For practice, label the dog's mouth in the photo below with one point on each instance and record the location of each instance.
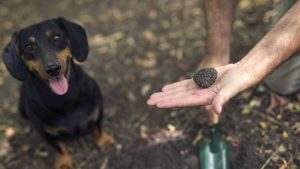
(59, 84)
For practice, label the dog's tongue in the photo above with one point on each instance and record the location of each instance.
(59, 85)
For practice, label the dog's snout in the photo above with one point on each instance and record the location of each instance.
(53, 69)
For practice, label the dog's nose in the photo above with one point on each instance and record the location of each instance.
(53, 69)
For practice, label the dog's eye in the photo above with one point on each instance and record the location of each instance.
(56, 37)
(29, 47)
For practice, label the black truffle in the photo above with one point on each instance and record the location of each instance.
(204, 78)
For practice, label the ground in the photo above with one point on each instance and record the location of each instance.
(135, 48)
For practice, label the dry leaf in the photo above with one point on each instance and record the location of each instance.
(171, 128)
(149, 35)
(165, 24)
(147, 62)
(152, 14)
(234, 141)
(296, 127)
(198, 137)
(9, 132)
(5, 147)
(245, 4)
(285, 134)
(131, 97)
(145, 89)
(258, 3)
(263, 125)
(143, 132)
(281, 148)
(41, 153)
(196, 11)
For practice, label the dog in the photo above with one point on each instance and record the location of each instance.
(56, 96)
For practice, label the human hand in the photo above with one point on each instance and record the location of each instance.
(232, 79)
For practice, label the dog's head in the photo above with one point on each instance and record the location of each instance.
(46, 49)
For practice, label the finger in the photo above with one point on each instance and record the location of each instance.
(201, 98)
(151, 101)
(175, 90)
(176, 84)
(168, 92)
(169, 95)
(180, 94)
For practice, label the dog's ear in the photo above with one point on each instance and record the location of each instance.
(12, 59)
(77, 37)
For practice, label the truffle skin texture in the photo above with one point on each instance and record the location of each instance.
(204, 78)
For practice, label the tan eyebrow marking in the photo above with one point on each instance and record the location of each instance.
(32, 39)
(49, 33)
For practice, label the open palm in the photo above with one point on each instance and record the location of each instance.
(231, 80)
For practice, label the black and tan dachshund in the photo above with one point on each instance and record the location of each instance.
(59, 99)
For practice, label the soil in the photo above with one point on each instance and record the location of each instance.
(135, 48)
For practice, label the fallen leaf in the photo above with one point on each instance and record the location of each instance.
(198, 137)
(245, 4)
(275, 157)
(103, 18)
(279, 117)
(131, 97)
(263, 125)
(171, 128)
(152, 14)
(234, 141)
(296, 127)
(119, 147)
(145, 89)
(281, 148)
(116, 13)
(97, 40)
(285, 134)
(41, 153)
(246, 94)
(149, 35)
(5, 147)
(196, 11)
(146, 62)
(143, 132)
(283, 166)
(255, 103)
(9, 132)
(165, 24)
(26, 147)
(246, 109)
(258, 3)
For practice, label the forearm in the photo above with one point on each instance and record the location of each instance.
(219, 16)
(280, 43)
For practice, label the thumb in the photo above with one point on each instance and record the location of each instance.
(220, 99)
(217, 104)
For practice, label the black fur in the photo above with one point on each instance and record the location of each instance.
(13, 61)
(78, 38)
(39, 104)
(43, 108)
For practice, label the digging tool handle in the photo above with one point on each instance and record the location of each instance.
(215, 118)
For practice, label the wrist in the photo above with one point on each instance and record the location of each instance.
(246, 75)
